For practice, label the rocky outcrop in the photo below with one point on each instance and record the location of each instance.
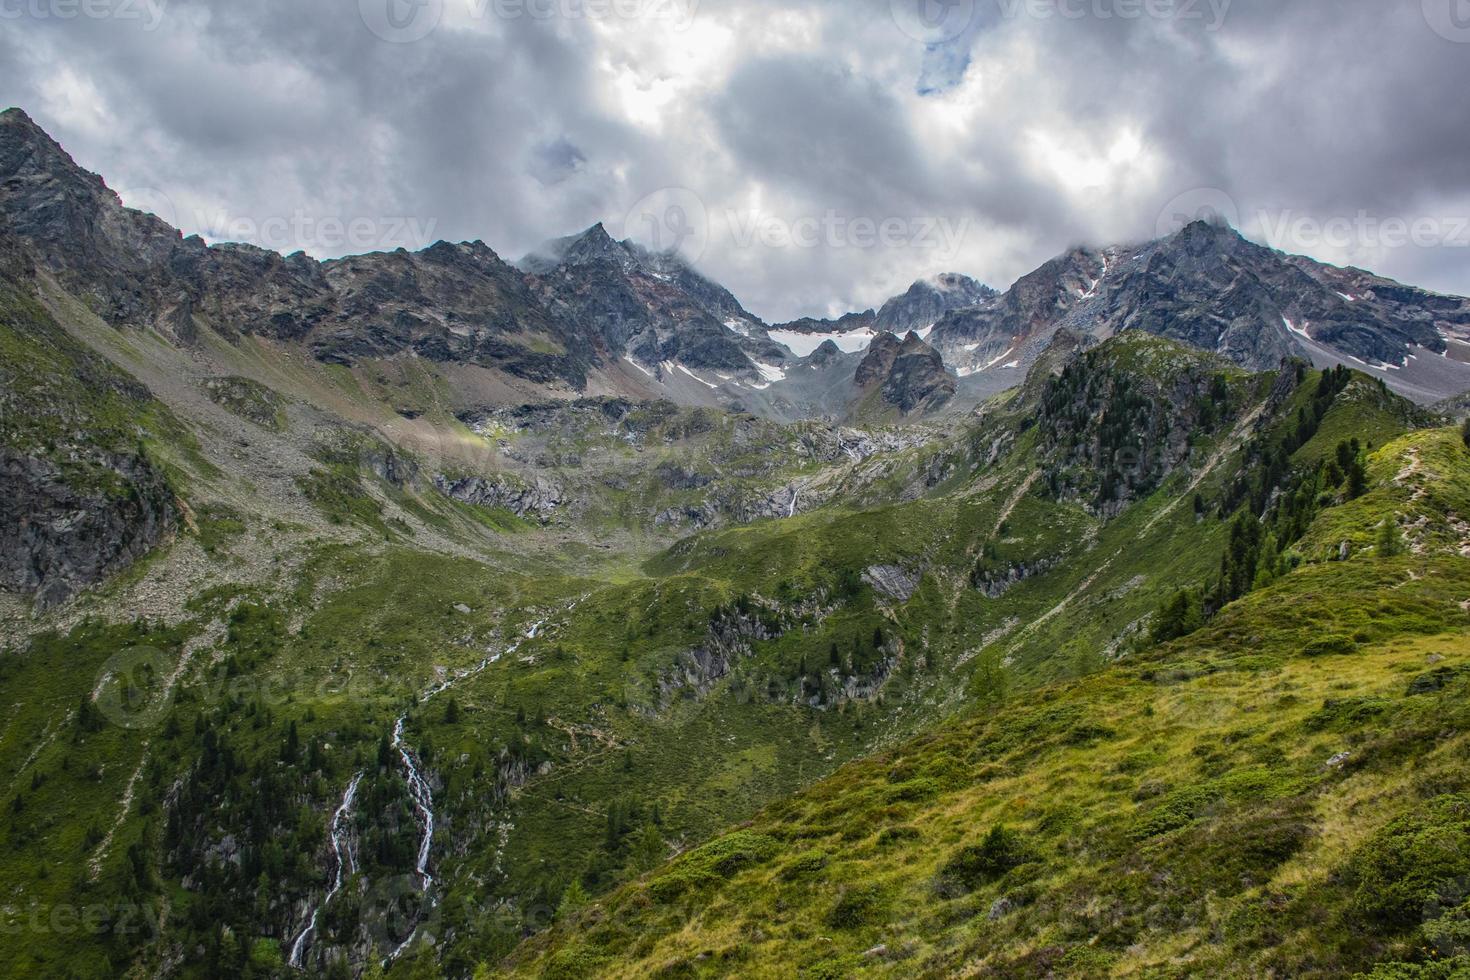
(729, 639)
(908, 374)
(537, 498)
(1118, 419)
(391, 466)
(692, 518)
(825, 355)
(250, 400)
(676, 477)
(995, 582)
(66, 525)
(892, 582)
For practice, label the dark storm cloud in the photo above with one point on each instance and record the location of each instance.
(1025, 125)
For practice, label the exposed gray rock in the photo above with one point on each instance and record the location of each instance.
(681, 478)
(929, 299)
(391, 466)
(909, 374)
(448, 302)
(539, 497)
(1209, 287)
(686, 517)
(893, 582)
(248, 399)
(997, 582)
(63, 529)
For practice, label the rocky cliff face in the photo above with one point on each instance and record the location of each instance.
(1209, 287)
(79, 498)
(537, 498)
(908, 374)
(66, 526)
(446, 303)
(1017, 325)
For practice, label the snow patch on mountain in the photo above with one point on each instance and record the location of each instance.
(804, 344)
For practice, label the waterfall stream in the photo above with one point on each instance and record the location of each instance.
(419, 791)
(418, 786)
(342, 853)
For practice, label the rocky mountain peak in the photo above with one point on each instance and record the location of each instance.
(17, 126)
(908, 374)
(825, 354)
(31, 159)
(595, 245)
(913, 343)
(927, 300)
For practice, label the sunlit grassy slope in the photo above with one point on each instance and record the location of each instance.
(1284, 792)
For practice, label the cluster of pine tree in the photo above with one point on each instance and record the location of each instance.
(1270, 506)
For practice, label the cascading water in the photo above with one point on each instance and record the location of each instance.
(423, 801)
(342, 853)
(418, 786)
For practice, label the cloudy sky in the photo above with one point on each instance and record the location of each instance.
(813, 155)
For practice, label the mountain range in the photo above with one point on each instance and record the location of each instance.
(589, 315)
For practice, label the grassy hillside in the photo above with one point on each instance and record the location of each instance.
(1283, 792)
